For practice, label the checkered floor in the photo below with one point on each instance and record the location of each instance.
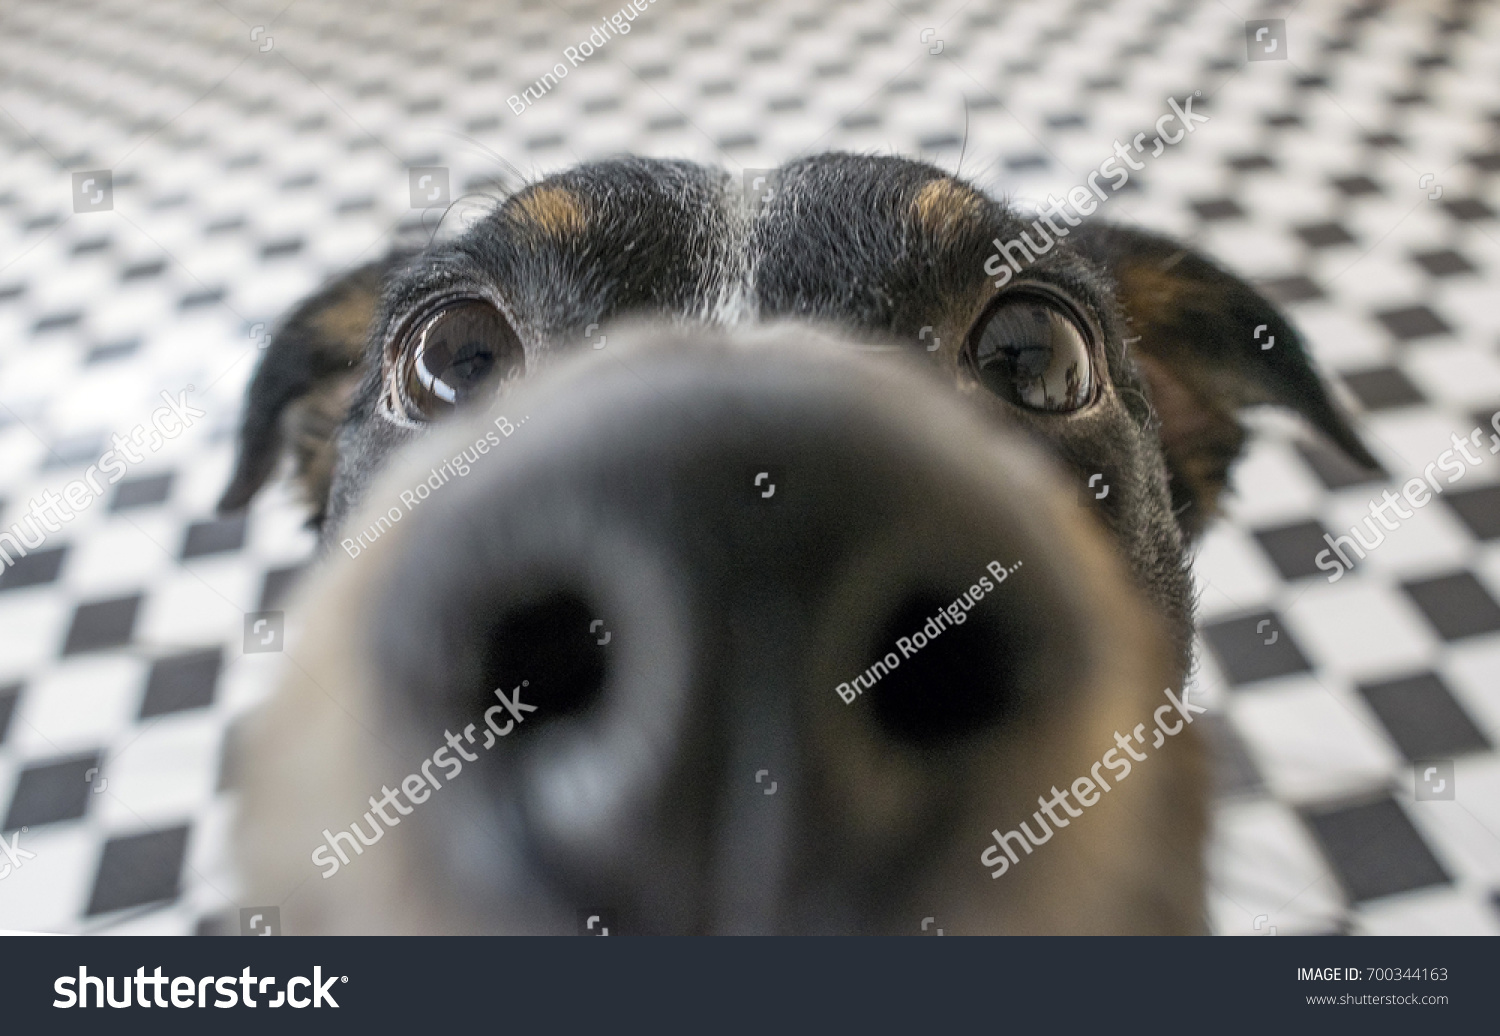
(241, 153)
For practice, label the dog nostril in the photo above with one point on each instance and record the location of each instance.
(962, 680)
(554, 643)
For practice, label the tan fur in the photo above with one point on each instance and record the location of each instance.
(945, 208)
(310, 425)
(347, 321)
(1151, 293)
(551, 210)
(1199, 436)
(317, 753)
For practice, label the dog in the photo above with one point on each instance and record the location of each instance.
(761, 559)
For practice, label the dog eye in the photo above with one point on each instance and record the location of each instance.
(1032, 352)
(457, 352)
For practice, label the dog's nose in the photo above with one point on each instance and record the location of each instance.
(746, 638)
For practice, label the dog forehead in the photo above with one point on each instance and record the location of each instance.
(620, 193)
(876, 240)
(833, 235)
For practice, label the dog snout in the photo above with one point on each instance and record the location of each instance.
(745, 636)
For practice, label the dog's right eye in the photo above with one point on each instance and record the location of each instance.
(457, 352)
(1031, 350)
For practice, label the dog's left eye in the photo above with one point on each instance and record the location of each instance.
(1032, 351)
(455, 353)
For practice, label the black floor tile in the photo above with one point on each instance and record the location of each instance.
(1251, 163)
(185, 681)
(102, 624)
(278, 584)
(144, 868)
(1383, 388)
(56, 321)
(278, 249)
(1356, 186)
(1234, 772)
(74, 452)
(1478, 508)
(1375, 850)
(1423, 718)
(112, 350)
(1287, 290)
(1324, 235)
(197, 299)
(1333, 469)
(1254, 647)
(1410, 322)
(1468, 210)
(217, 924)
(1294, 548)
(1489, 161)
(1457, 605)
(217, 536)
(35, 569)
(930, 142)
(1024, 162)
(143, 271)
(141, 492)
(1444, 262)
(1483, 419)
(229, 757)
(52, 791)
(9, 694)
(1213, 210)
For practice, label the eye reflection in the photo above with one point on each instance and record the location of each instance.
(460, 351)
(1033, 353)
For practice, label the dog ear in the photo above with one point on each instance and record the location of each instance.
(301, 389)
(1208, 344)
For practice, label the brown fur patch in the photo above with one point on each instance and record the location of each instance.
(1200, 436)
(347, 322)
(1194, 402)
(551, 210)
(945, 207)
(311, 424)
(1150, 292)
